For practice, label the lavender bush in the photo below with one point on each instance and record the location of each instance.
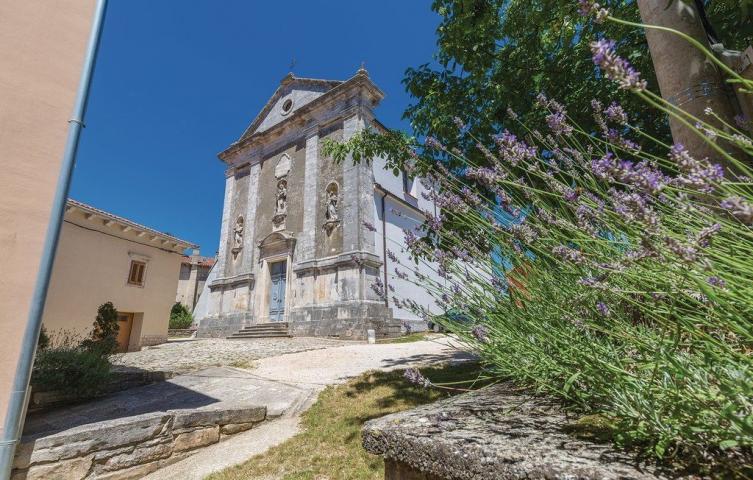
(616, 279)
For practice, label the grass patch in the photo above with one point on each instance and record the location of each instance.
(244, 364)
(412, 337)
(329, 447)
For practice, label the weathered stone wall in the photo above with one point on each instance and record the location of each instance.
(331, 243)
(128, 448)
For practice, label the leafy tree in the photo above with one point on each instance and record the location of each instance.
(495, 54)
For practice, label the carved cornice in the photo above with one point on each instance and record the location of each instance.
(244, 278)
(349, 259)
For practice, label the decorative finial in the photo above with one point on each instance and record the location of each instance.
(292, 64)
(362, 70)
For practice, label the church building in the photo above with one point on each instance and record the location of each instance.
(303, 238)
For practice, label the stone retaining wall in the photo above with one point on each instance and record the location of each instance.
(127, 448)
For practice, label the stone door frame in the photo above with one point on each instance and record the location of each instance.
(273, 242)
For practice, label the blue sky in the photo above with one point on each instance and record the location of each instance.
(178, 81)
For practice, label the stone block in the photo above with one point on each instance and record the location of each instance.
(495, 433)
(196, 438)
(108, 435)
(233, 428)
(193, 418)
(136, 455)
(71, 469)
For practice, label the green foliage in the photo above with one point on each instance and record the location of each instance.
(44, 340)
(104, 336)
(180, 317)
(495, 54)
(71, 368)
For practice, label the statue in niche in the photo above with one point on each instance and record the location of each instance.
(281, 206)
(332, 205)
(331, 216)
(282, 198)
(238, 235)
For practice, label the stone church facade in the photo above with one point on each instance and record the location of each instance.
(294, 245)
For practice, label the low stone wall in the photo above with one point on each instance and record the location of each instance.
(492, 434)
(127, 448)
(180, 332)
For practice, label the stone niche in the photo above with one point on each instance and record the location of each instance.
(495, 433)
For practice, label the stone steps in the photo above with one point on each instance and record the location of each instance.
(262, 330)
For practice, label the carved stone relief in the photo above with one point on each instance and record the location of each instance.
(332, 215)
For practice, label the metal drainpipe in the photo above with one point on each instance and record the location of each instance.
(18, 400)
(384, 249)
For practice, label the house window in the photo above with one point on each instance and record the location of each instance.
(136, 274)
(407, 183)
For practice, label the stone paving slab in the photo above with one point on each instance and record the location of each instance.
(211, 389)
(191, 355)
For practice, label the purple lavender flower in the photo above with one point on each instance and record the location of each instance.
(603, 309)
(391, 255)
(687, 253)
(400, 274)
(414, 376)
(704, 236)
(569, 254)
(557, 123)
(716, 282)
(432, 142)
(513, 150)
(459, 123)
(739, 208)
(378, 287)
(615, 67)
(616, 113)
(369, 226)
(590, 7)
(570, 195)
(480, 333)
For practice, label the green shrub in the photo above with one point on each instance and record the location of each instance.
(104, 336)
(44, 340)
(71, 369)
(180, 317)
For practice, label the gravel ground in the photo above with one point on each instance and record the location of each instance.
(191, 355)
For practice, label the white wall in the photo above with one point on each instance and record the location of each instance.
(400, 214)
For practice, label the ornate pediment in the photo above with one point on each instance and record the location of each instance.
(292, 94)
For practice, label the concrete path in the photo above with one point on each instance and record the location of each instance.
(309, 371)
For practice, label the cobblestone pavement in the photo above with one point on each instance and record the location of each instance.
(191, 355)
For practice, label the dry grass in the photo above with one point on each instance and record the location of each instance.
(329, 447)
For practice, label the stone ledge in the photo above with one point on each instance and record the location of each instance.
(128, 447)
(492, 434)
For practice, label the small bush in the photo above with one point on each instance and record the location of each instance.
(180, 317)
(70, 368)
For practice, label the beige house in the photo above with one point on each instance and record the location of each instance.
(194, 270)
(102, 257)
